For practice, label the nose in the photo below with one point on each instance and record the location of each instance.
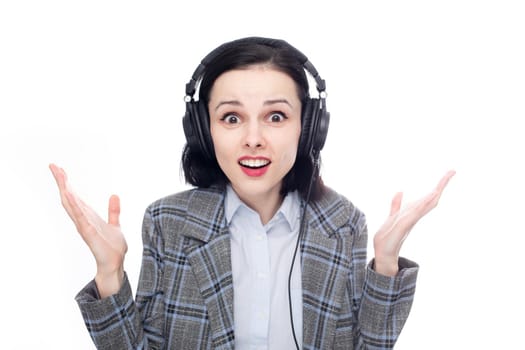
(254, 135)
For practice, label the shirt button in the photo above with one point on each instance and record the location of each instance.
(259, 237)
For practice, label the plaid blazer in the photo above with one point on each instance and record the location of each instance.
(184, 298)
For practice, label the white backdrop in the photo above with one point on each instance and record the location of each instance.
(415, 88)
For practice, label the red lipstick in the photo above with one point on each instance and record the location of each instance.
(254, 166)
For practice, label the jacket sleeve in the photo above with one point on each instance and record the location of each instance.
(381, 304)
(119, 322)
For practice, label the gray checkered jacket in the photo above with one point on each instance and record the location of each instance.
(184, 298)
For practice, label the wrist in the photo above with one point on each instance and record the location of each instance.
(387, 267)
(109, 282)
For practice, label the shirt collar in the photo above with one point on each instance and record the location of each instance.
(232, 202)
(290, 208)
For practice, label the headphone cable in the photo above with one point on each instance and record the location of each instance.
(301, 232)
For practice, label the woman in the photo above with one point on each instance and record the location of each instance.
(260, 254)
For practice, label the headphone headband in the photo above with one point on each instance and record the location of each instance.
(254, 40)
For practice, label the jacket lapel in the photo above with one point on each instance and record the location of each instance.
(325, 269)
(209, 255)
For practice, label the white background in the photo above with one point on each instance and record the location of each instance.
(415, 88)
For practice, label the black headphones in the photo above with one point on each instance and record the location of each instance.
(315, 117)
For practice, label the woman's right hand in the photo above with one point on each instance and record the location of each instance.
(104, 239)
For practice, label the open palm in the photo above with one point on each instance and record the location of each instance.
(390, 237)
(104, 239)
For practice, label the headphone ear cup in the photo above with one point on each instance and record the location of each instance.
(190, 129)
(305, 127)
(196, 128)
(321, 132)
(201, 114)
(314, 128)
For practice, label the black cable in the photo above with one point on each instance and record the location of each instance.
(315, 160)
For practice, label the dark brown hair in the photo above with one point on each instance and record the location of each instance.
(201, 171)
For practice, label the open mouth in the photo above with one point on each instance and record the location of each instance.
(254, 163)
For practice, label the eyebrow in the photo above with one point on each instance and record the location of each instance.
(266, 103)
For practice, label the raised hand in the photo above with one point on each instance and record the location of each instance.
(104, 239)
(390, 237)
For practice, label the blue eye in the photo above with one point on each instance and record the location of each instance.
(276, 117)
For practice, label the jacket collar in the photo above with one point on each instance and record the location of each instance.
(206, 214)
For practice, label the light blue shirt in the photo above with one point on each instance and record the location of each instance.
(261, 259)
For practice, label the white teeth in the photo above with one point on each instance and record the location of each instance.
(254, 163)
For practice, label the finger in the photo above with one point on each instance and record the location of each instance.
(396, 203)
(58, 174)
(82, 223)
(114, 210)
(91, 216)
(418, 209)
(445, 180)
(430, 201)
(61, 179)
(434, 196)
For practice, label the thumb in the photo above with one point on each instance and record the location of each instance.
(114, 210)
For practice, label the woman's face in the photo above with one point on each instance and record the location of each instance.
(255, 123)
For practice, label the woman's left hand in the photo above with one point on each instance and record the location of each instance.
(390, 237)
